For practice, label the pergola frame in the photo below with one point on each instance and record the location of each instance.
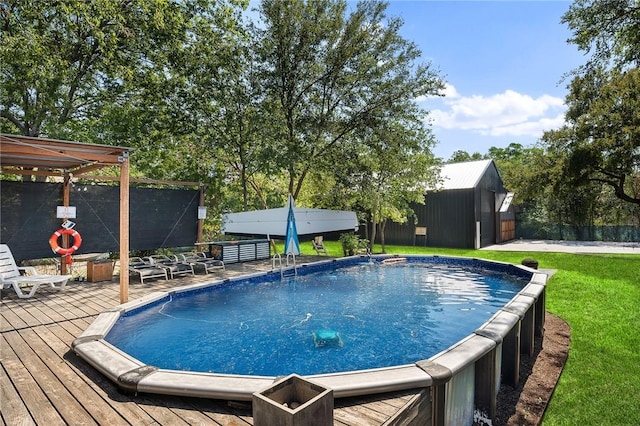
(24, 155)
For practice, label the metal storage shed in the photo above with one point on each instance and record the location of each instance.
(470, 208)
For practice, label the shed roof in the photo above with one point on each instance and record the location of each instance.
(465, 175)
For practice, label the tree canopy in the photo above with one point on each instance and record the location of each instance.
(608, 29)
(601, 137)
(330, 74)
(62, 62)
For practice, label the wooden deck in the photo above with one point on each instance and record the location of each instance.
(43, 382)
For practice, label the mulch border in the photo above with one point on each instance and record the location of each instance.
(526, 404)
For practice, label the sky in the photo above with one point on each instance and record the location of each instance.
(503, 62)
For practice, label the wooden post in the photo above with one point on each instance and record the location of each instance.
(200, 221)
(124, 229)
(66, 191)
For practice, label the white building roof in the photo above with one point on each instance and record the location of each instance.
(462, 175)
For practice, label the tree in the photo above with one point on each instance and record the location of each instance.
(330, 76)
(399, 177)
(602, 132)
(61, 61)
(250, 114)
(609, 29)
(225, 102)
(393, 168)
(114, 72)
(602, 135)
(461, 156)
(515, 165)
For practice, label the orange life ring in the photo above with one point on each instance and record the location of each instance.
(53, 241)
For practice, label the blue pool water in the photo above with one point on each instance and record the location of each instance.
(352, 318)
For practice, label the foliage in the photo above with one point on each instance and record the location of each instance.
(349, 242)
(330, 75)
(547, 194)
(352, 243)
(461, 156)
(63, 62)
(231, 118)
(599, 146)
(609, 29)
(393, 169)
(601, 139)
(515, 163)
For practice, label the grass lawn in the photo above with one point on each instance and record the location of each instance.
(599, 296)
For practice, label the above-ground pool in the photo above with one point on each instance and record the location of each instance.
(350, 318)
(358, 325)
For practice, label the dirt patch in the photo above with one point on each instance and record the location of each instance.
(539, 374)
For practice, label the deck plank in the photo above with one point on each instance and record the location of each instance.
(93, 304)
(56, 310)
(10, 320)
(13, 408)
(357, 415)
(20, 317)
(58, 394)
(96, 406)
(33, 310)
(37, 403)
(137, 410)
(220, 413)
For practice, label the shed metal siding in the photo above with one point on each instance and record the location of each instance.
(401, 234)
(491, 193)
(491, 180)
(450, 218)
(487, 217)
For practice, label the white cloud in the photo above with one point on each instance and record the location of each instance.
(504, 114)
(449, 93)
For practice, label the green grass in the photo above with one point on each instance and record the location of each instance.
(599, 297)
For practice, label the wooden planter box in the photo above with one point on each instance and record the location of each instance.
(99, 271)
(293, 401)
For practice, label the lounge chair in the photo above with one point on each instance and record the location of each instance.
(318, 246)
(144, 269)
(11, 276)
(201, 261)
(173, 267)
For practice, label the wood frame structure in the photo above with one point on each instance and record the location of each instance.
(31, 156)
